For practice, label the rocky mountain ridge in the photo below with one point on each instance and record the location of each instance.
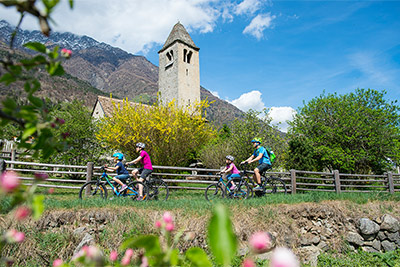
(112, 70)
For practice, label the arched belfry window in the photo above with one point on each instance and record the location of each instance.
(187, 55)
(170, 59)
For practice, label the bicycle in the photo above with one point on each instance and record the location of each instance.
(98, 188)
(270, 184)
(218, 190)
(157, 188)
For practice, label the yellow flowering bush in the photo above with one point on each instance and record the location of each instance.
(172, 134)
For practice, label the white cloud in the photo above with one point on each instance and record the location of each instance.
(280, 116)
(250, 100)
(248, 7)
(259, 24)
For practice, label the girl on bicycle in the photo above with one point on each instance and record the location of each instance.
(232, 170)
(122, 172)
(147, 168)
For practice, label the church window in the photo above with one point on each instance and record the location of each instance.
(170, 61)
(187, 55)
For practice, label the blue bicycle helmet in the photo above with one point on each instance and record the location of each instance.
(256, 140)
(120, 156)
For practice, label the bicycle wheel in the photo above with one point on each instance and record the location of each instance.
(274, 185)
(241, 191)
(92, 190)
(250, 182)
(133, 190)
(157, 190)
(214, 192)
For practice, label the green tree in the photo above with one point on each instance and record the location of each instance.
(79, 129)
(353, 133)
(172, 135)
(236, 140)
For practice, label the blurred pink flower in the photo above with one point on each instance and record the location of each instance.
(284, 257)
(145, 262)
(167, 217)
(249, 263)
(113, 255)
(51, 190)
(57, 262)
(66, 53)
(41, 176)
(158, 224)
(127, 257)
(170, 227)
(13, 236)
(260, 242)
(22, 212)
(60, 121)
(9, 181)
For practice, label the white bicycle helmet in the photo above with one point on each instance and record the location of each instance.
(231, 158)
(141, 145)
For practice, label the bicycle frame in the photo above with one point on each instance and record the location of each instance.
(116, 192)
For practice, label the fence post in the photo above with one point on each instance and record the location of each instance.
(2, 166)
(293, 180)
(89, 175)
(390, 182)
(336, 178)
(12, 157)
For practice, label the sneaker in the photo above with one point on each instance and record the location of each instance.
(123, 188)
(139, 199)
(232, 187)
(258, 188)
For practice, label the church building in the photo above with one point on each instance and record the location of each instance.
(179, 71)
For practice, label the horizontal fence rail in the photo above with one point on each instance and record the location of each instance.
(74, 176)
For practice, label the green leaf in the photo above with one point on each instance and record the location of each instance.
(28, 132)
(8, 78)
(35, 101)
(150, 243)
(37, 206)
(10, 104)
(55, 69)
(36, 46)
(71, 4)
(221, 237)
(197, 257)
(174, 257)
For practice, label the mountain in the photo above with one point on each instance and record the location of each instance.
(103, 69)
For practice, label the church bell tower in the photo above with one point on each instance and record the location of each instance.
(179, 71)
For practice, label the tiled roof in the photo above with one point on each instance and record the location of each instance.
(108, 106)
(179, 34)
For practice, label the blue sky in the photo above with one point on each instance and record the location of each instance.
(254, 53)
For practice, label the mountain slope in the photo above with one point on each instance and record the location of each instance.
(109, 69)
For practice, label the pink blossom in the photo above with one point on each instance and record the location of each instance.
(249, 263)
(57, 262)
(127, 257)
(145, 262)
(51, 190)
(41, 176)
(60, 121)
(158, 224)
(113, 255)
(13, 236)
(170, 227)
(284, 257)
(167, 217)
(22, 212)
(9, 181)
(66, 53)
(260, 242)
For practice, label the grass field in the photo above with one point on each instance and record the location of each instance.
(129, 218)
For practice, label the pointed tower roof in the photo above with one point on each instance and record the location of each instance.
(179, 34)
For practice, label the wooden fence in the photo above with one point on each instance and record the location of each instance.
(72, 177)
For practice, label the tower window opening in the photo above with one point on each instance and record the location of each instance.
(189, 56)
(184, 54)
(187, 72)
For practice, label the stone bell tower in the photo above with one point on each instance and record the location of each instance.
(179, 71)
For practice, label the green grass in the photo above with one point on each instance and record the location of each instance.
(194, 200)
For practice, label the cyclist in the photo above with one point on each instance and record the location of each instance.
(232, 170)
(260, 154)
(147, 168)
(122, 172)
